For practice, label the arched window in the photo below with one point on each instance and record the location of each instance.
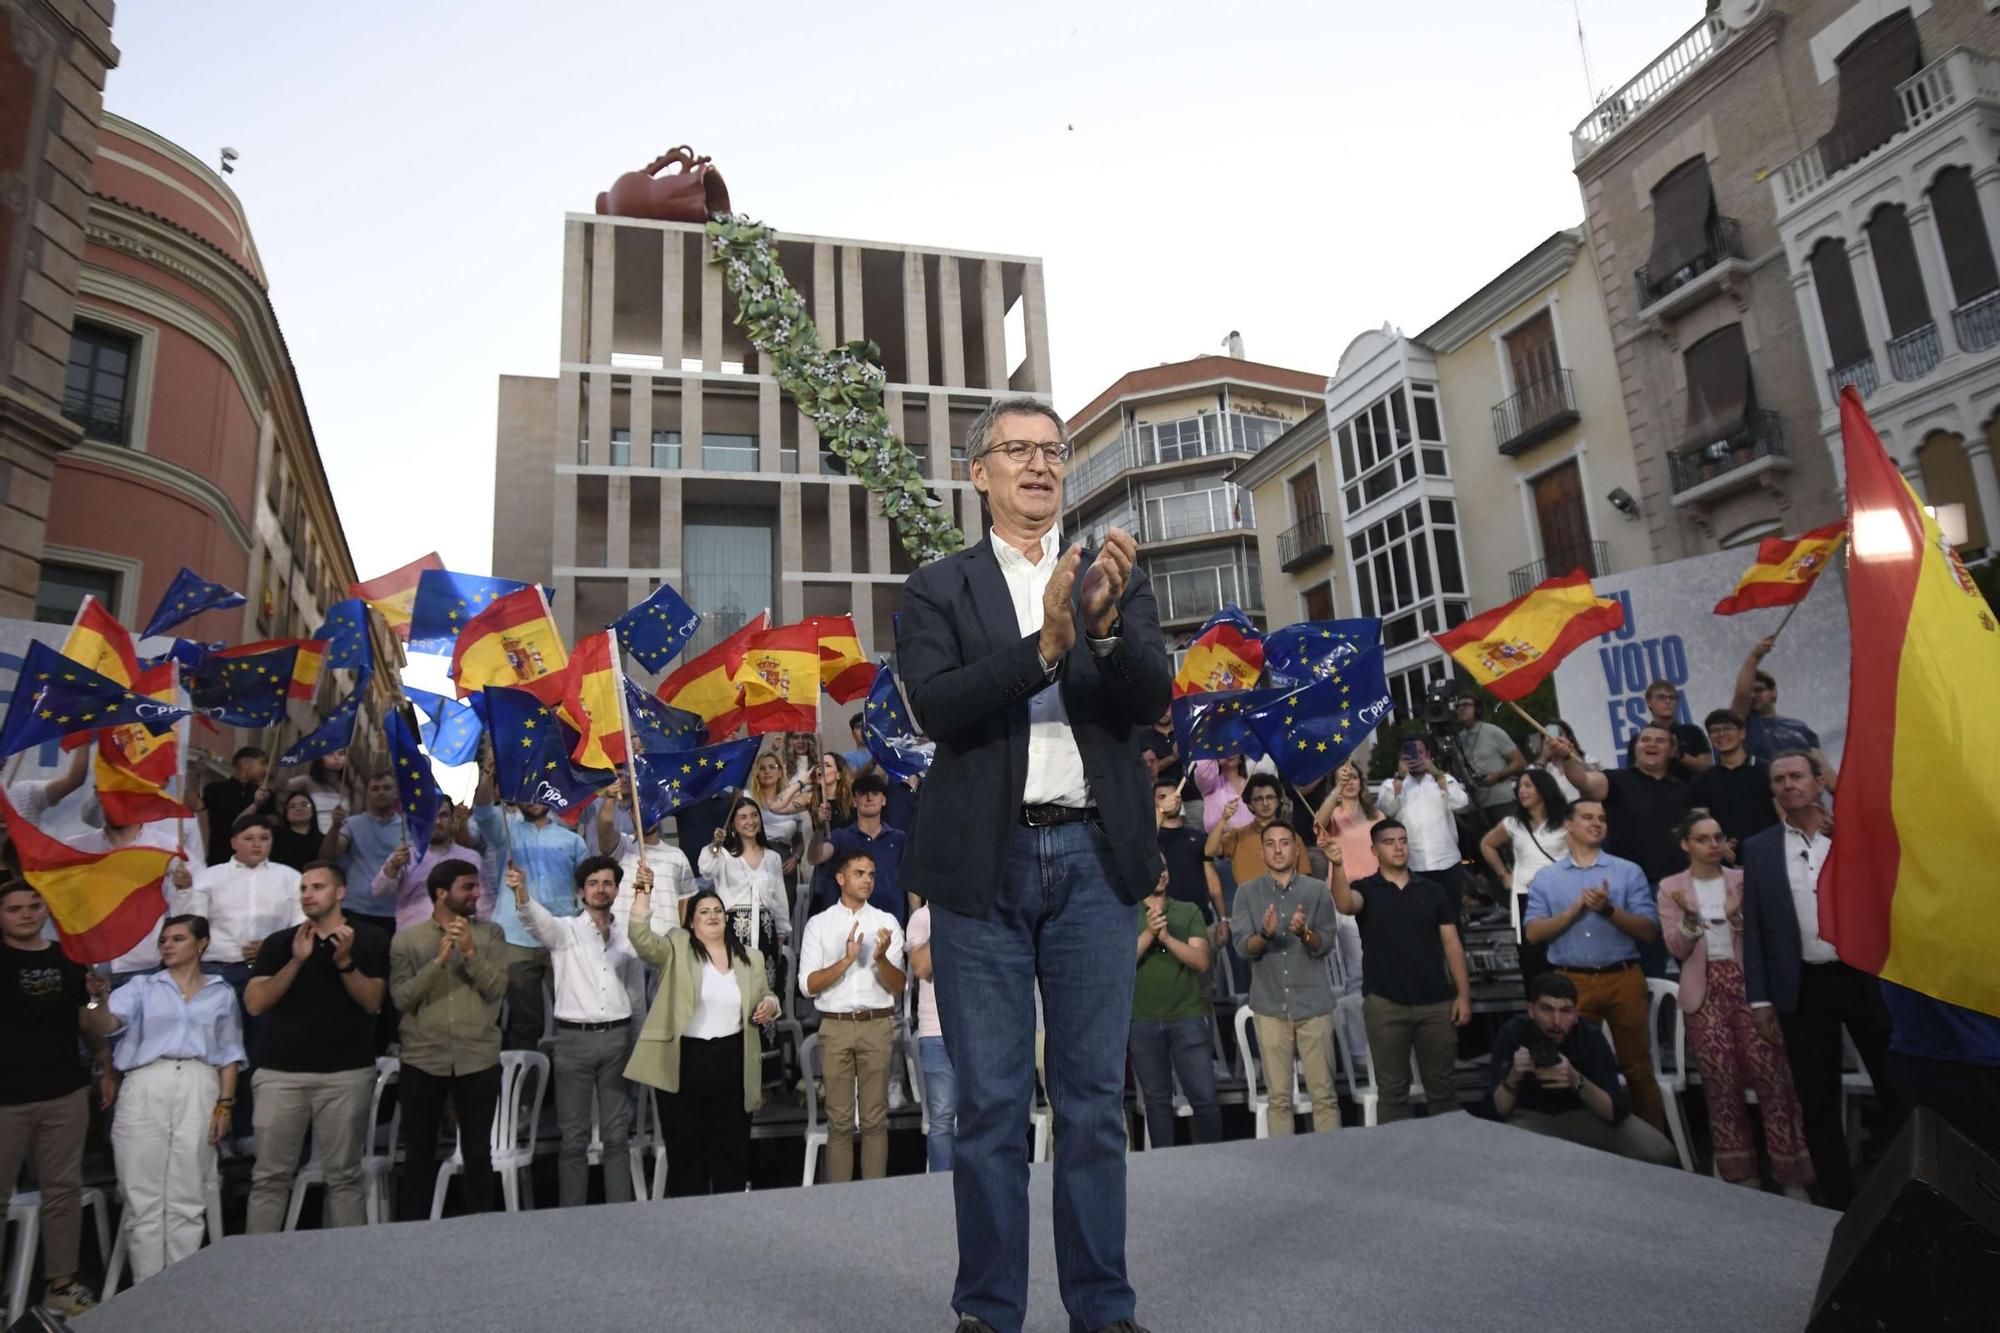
(1913, 340)
(1968, 255)
(1840, 309)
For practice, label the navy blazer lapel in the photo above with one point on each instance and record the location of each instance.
(991, 602)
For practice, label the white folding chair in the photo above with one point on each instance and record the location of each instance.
(1255, 1077)
(376, 1162)
(809, 1070)
(1358, 1062)
(114, 1267)
(24, 1215)
(635, 1142)
(1666, 995)
(524, 1082)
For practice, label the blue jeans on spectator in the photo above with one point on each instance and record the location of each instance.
(940, 1100)
(1162, 1052)
(1056, 918)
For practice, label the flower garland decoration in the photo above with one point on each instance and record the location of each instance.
(841, 389)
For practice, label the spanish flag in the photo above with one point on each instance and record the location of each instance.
(594, 704)
(844, 669)
(1903, 894)
(512, 642)
(1785, 570)
(1222, 657)
(103, 902)
(706, 685)
(306, 668)
(1513, 648)
(134, 766)
(779, 677)
(395, 592)
(96, 640)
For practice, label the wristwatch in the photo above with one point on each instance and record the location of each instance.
(351, 965)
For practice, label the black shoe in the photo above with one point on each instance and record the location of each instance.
(973, 1324)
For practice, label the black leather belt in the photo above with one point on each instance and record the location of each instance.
(1041, 816)
(593, 1027)
(1597, 971)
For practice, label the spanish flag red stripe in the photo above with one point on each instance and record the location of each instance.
(593, 703)
(134, 766)
(96, 640)
(706, 684)
(1513, 648)
(1785, 570)
(779, 677)
(103, 902)
(394, 593)
(1222, 659)
(844, 670)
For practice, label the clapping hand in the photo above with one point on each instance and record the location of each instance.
(1156, 922)
(1104, 582)
(854, 943)
(342, 936)
(1058, 633)
(302, 942)
(1597, 898)
(1269, 926)
(1298, 925)
(882, 938)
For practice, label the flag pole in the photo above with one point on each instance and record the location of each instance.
(631, 759)
(1522, 713)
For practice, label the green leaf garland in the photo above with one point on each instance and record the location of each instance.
(841, 389)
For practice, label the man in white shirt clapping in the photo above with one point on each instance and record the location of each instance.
(851, 964)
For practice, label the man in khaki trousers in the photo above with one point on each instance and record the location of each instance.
(851, 965)
(1283, 922)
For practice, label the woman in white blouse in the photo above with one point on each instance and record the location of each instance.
(1532, 839)
(786, 806)
(744, 868)
(179, 1051)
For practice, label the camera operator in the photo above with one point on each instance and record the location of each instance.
(1488, 759)
(1425, 799)
(1553, 1075)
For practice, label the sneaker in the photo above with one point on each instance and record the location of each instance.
(72, 1298)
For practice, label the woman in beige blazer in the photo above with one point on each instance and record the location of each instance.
(700, 1046)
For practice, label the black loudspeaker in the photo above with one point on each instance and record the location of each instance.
(1920, 1246)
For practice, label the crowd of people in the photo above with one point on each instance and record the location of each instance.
(299, 942)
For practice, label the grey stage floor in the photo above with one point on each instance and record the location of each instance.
(1428, 1225)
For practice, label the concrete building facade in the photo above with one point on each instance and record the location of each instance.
(664, 451)
(1712, 181)
(1153, 455)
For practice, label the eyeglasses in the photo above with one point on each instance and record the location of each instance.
(1020, 451)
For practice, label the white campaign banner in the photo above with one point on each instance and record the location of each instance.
(1672, 633)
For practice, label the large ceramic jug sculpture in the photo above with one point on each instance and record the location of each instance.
(692, 194)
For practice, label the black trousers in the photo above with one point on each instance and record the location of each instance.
(704, 1125)
(1833, 995)
(474, 1096)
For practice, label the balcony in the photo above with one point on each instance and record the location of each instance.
(1861, 374)
(1592, 556)
(1915, 354)
(1239, 434)
(1535, 413)
(1702, 470)
(1611, 115)
(1960, 77)
(1977, 322)
(1665, 293)
(1197, 594)
(1309, 539)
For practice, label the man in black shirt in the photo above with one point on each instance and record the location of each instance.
(319, 987)
(1553, 1075)
(1159, 738)
(224, 800)
(1690, 755)
(1415, 987)
(1191, 876)
(1643, 805)
(1736, 788)
(48, 1003)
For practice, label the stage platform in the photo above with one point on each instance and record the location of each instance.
(1454, 1223)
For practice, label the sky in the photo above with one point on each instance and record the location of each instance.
(1301, 172)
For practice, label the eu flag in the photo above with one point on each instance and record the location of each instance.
(187, 652)
(247, 686)
(335, 733)
(187, 597)
(1214, 725)
(414, 781)
(1312, 730)
(55, 696)
(445, 602)
(453, 732)
(657, 628)
(1315, 648)
(531, 752)
(345, 633)
(888, 732)
(661, 728)
(669, 781)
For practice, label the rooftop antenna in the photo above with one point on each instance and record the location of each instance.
(1583, 46)
(229, 156)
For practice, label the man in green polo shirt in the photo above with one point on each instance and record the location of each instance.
(1170, 1018)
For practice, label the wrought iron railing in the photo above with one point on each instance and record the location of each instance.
(1535, 413)
(1305, 541)
(1861, 374)
(1723, 241)
(1592, 556)
(1760, 436)
(1915, 354)
(1977, 322)
(1651, 84)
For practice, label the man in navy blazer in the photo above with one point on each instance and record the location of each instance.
(1795, 983)
(1033, 668)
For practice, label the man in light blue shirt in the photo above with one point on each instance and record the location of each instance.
(1591, 910)
(361, 843)
(548, 854)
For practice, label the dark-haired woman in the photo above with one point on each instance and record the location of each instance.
(746, 870)
(179, 1052)
(700, 1045)
(1534, 839)
(297, 838)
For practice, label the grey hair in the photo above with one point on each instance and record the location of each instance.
(979, 435)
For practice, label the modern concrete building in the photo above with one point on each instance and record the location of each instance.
(663, 450)
(1153, 454)
(54, 55)
(1795, 195)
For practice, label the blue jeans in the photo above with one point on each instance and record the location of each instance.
(940, 1100)
(1162, 1052)
(1057, 919)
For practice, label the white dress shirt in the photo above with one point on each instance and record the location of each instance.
(1804, 855)
(243, 904)
(1425, 810)
(736, 882)
(825, 944)
(718, 1007)
(1055, 765)
(591, 977)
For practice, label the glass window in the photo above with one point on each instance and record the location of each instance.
(728, 453)
(1401, 630)
(1420, 555)
(1414, 516)
(1426, 404)
(96, 381)
(1366, 588)
(621, 447)
(666, 448)
(1347, 452)
(1402, 416)
(1449, 573)
(59, 596)
(728, 570)
(1407, 468)
(1441, 512)
(1351, 498)
(1434, 465)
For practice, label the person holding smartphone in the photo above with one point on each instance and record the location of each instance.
(1427, 800)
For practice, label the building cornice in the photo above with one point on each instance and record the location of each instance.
(804, 238)
(1540, 267)
(1302, 384)
(116, 124)
(23, 418)
(1305, 437)
(1740, 50)
(171, 476)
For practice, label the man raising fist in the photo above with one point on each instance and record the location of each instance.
(851, 965)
